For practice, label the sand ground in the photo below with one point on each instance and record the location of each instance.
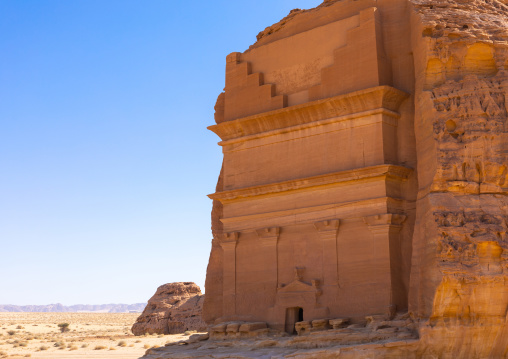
(90, 335)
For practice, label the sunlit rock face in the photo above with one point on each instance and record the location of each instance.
(365, 173)
(459, 286)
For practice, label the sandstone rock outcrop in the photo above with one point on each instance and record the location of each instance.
(174, 308)
(365, 176)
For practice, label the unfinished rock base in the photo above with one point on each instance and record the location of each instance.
(374, 337)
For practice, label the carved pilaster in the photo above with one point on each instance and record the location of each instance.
(269, 238)
(228, 244)
(387, 254)
(328, 231)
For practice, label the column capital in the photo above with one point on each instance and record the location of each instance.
(381, 223)
(268, 233)
(229, 239)
(329, 225)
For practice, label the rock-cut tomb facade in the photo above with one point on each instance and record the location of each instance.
(365, 167)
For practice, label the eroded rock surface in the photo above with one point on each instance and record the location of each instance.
(174, 308)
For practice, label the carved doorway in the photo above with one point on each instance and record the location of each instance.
(293, 315)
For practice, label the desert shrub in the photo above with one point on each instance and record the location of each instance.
(64, 327)
(131, 345)
(43, 347)
(3, 354)
(146, 346)
(28, 355)
(20, 327)
(100, 347)
(59, 344)
(137, 341)
(122, 343)
(112, 348)
(84, 345)
(11, 332)
(23, 344)
(160, 336)
(73, 347)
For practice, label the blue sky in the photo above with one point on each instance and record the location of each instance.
(104, 153)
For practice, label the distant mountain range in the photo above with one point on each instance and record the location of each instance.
(60, 308)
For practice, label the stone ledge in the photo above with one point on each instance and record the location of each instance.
(395, 172)
(380, 97)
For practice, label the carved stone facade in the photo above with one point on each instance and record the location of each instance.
(365, 172)
(312, 179)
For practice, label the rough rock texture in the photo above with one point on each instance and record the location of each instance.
(174, 308)
(365, 175)
(459, 275)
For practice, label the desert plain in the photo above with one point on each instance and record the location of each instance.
(90, 335)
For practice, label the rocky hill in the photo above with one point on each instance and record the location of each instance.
(174, 308)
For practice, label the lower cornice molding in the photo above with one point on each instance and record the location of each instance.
(394, 172)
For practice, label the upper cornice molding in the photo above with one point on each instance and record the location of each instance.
(380, 97)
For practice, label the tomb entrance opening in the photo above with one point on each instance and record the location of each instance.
(293, 315)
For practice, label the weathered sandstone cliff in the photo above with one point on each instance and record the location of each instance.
(174, 308)
(459, 274)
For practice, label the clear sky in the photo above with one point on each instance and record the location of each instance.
(104, 153)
